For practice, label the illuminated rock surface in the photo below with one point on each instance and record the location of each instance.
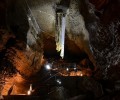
(91, 41)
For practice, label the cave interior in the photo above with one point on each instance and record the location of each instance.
(59, 49)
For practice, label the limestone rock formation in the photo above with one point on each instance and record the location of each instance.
(27, 38)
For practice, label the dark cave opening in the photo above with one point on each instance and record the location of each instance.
(72, 51)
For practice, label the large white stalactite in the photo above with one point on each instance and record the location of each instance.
(60, 37)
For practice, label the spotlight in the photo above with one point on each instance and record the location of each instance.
(75, 68)
(67, 69)
(81, 74)
(59, 81)
(30, 90)
(48, 66)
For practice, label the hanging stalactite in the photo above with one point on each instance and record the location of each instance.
(60, 37)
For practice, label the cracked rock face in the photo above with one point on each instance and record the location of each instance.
(105, 30)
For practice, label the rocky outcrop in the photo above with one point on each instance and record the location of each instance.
(104, 34)
(21, 50)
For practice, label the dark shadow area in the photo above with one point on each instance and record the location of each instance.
(72, 52)
(17, 19)
(3, 9)
(49, 48)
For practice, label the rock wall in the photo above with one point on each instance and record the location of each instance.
(21, 50)
(104, 36)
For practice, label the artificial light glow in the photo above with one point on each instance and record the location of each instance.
(81, 74)
(75, 68)
(67, 69)
(58, 81)
(29, 92)
(47, 66)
